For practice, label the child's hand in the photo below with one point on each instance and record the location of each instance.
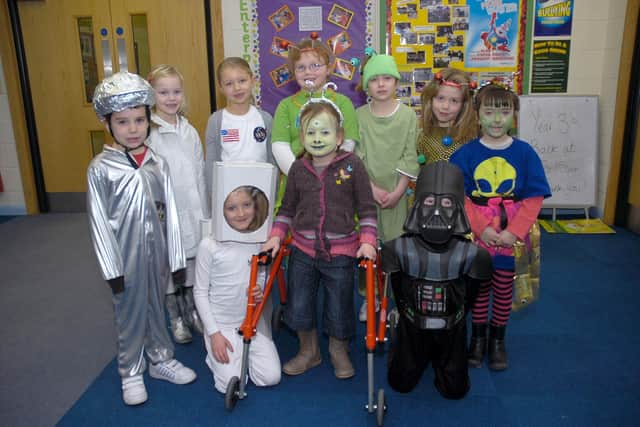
(257, 294)
(272, 245)
(392, 199)
(367, 251)
(506, 239)
(489, 236)
(379, 195)
(219, 346)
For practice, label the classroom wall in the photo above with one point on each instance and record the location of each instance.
(593, 69)
(12, 199)
(595, 54)
(233, 31)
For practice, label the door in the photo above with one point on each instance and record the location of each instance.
(73, 44)
(633, 215)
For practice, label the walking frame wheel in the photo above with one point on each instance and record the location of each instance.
(231, 396)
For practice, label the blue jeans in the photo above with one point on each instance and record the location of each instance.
(305, 275)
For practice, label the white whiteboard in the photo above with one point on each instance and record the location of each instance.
(564, 132)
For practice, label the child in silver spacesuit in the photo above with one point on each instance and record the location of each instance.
(135, 233)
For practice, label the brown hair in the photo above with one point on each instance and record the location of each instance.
(313, 109)
(308, 45)
(495, 95)
(465, 126)
(164, 70)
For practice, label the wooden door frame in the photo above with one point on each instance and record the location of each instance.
(620, 114)
(19, 105)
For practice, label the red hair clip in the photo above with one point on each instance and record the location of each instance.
(502, 82)
(472, 85)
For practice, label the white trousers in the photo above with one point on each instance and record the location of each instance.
(264, 362)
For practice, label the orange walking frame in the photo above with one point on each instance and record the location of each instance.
(373, 271)
(236, 387)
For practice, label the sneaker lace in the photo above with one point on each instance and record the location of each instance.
(169, 368)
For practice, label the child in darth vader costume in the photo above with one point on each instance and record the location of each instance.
(434, 272)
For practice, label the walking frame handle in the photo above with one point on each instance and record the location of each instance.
(253, 313)
(373, 269)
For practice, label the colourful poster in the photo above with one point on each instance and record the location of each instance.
(483, 37)
(553, 18)
(344, 26)
(494, 34)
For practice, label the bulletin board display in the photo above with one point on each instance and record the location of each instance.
(483, 37)
(345, 27)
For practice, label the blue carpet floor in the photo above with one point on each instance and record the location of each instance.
(573, 362)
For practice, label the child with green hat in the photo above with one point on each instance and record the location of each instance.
(387, 146)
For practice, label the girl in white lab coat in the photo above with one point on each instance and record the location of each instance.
(174, 138)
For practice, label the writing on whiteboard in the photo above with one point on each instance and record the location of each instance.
(563, 131)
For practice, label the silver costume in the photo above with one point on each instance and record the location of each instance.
(135, 233)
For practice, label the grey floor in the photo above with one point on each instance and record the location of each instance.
(52, 303)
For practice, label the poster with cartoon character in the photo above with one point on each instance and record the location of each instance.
(494, 31)
(483, 37)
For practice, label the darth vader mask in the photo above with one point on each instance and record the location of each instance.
(438, 211)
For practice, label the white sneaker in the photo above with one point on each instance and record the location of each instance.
(180, 331)
(362, 314)
(133, 390)
(172, 371)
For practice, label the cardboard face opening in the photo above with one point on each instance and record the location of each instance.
(250, 185)
(246, 209)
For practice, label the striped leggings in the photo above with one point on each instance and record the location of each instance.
(502, 285)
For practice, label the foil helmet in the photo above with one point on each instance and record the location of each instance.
(120, 91)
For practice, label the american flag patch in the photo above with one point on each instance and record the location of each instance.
(230, 135)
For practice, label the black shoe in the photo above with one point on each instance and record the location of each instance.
(497, 350)
(477, 345)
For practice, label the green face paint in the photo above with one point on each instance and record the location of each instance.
(495, 122)
(320, 137)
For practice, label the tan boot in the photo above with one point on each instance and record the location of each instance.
(308, 356)
(339, 351)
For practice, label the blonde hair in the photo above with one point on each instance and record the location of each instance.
(465, 126)
(308, 45)
(234, 62)
(164, 70)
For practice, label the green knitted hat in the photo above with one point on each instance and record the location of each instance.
(379, 65)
